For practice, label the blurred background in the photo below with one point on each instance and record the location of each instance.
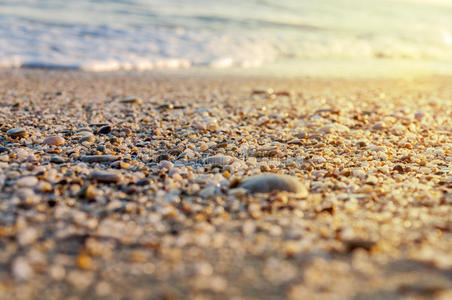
(333, 35)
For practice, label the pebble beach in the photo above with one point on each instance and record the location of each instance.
(147, 185)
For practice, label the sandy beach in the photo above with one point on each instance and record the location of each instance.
(129, 185)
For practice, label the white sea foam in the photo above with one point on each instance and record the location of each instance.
(99, 35)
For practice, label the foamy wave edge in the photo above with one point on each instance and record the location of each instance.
(141, 65)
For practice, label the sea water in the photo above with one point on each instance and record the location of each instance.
(103, 35)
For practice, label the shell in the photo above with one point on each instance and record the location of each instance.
(269, 182)
(219, 160)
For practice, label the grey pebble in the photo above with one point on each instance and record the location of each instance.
(269, 182)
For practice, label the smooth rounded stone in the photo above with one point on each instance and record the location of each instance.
(104, 130)
(27, 181)
(269, 182)
(164, 164)
(88, 138)
(21, 269)
(379, 126)
(56, 159)
(132, 100)
(419, 115)
(98, 158)
(3, 149)
(105, 176)
(208, 191)
(219, 160)
(54, 140)
(17, 132)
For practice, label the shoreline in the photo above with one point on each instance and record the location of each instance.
(353, 69)
(129, 203)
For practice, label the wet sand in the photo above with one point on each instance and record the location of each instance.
(129, 186)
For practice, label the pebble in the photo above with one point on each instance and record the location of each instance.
(105, 176)
(165, 106)
(56, 159)
(88, 192)
(54, 140)
(419, 115)
(88, 138)
(164, 164)
(219, 160)
(27, 181)
(132, 100)
(262, 91)
(27, 236)
(104, 130)
(17, 133)
(268, 182)
(99, 158)
(379, 126)
(21, 269)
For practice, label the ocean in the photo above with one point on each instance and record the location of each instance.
(105, 35)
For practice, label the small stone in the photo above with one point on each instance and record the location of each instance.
(361, 144)
(27, 236)
(104, 130)
(88, 138)
(27, 181)
(21, 269)
(106, 177)
(132, 100)
(203, 147)
(399, 168)
(164, 164)
(56, 159)
(262, 91)
(268, 182)
(120, 165)
(54, 140)
(88, 192)
(419, 115)
(208, 192)
(17, 133)
(99, 158)
(219, 160)
(165, 106)
(379, 126)
(44, 187)
(3, 149)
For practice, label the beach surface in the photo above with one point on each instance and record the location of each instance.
(129, 185)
